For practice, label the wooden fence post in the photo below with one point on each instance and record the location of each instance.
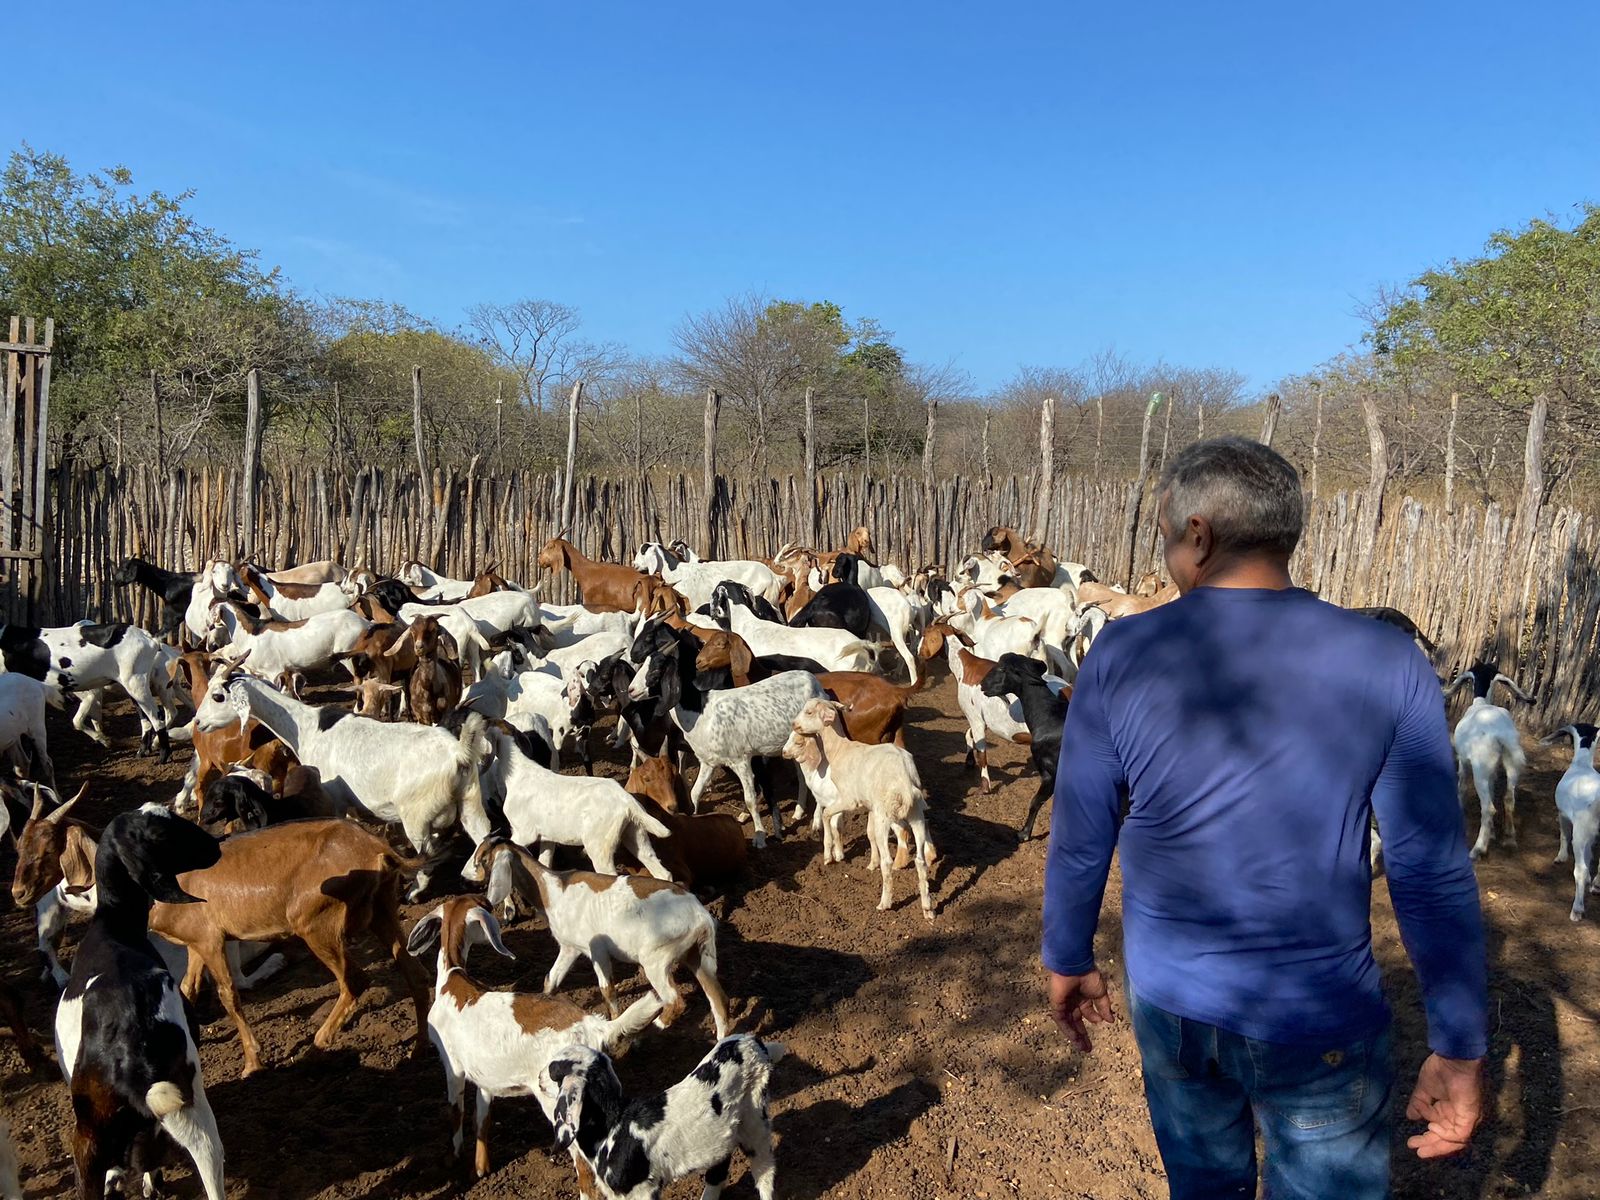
(1316, 444)
(1269, 425)
(812, 506)
(1378, 460)
(1099, 430)
(988, 477)
(1449, 455)
(252, 458)
(338, 428)
(424, 477)
(161, 444)
(928, 506)
(713, 411)
(1047, 469)
(572, 453)
(1525, 526)
(1135, 501)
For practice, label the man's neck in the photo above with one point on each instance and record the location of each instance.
(1263, 573)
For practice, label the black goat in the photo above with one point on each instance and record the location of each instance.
(837, 606)
(173, 588)
(126, 1035)
(1044, 713)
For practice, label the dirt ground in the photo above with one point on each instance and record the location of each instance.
(922, 1062)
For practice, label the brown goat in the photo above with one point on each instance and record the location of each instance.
(604, 587)
(1117, 605)
(703, 851)
(487, 581)
(216, 751)
(435, 687)
(322, 881)
(1032, 566)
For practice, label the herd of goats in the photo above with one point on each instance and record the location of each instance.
(467, 696)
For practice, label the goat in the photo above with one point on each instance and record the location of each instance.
(1044, 710)
(435, 679)
(527, 700)
(217, 750)
(430, 586)
(277, 649)
(728, 592)
(1117, 605)
(215, 581)
(1578, 809)
(288, 601)
(551, 810)
(634, 1150)
(836, 606)
(500, 1041)
(882, 780)
(55, 874)
(697, 580)
(422, 777)
(701, 851)
(992, 633)
(324, 570)
(1486, 743)
(728, 728)
(22, 729)
(835, 649)
(322, 881)
(605, 587)
(985, 715)
(83, 657)
(478, 622)
(612, 918)
(173, 588)
(126, 1038)
(245, 797)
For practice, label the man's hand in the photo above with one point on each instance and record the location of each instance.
(1449, 1097)
(1077, 1001)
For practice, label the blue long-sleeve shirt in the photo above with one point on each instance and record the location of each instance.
(1251, 733)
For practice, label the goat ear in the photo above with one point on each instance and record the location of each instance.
(487, 930)
(739, 657)
(252, 814)
(447, 643)
(425, 933)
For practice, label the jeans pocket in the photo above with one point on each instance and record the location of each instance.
(1312, 1086)
(1159, 1035)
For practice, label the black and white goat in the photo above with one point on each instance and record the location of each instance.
(1578, 808)
(1487, 743)
(173, 588)
(125, 1036)
(1044, 711)
(84, 657)
(636, 1148)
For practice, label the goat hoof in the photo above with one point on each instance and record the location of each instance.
(1024, 836)
(1575, 915)
(1477, 853)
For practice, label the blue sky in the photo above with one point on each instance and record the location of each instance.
(1212, 184)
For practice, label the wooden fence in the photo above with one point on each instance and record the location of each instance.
(1451, 573)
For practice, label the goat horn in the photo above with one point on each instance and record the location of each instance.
(1515, 690)
(38, 803)
(1457, 682)
(61, 810)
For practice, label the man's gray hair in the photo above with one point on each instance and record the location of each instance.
(1247, 491)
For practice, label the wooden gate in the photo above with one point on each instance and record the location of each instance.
(25, 366)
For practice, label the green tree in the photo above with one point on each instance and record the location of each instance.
(136, 284)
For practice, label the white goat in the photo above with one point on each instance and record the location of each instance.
(22, 732)
(288, 601)
(614, 918)
(430, 585)
(832, 649)
(215, 581)
(1578, 808)
(420, 776)
(1486, 742)
(549, 810)
(532, 701)
(729, 728)
(881, 780)
(500, 1041)
(278, 649)
(697, 580)
(895, 614)
(476, 622)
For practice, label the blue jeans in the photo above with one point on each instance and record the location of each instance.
(1323, 1111)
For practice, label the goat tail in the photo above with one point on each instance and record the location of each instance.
(474, 741)
(165, 1098)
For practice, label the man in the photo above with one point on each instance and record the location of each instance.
(1249, 729)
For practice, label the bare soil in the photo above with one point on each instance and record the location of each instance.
(923, 1063)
